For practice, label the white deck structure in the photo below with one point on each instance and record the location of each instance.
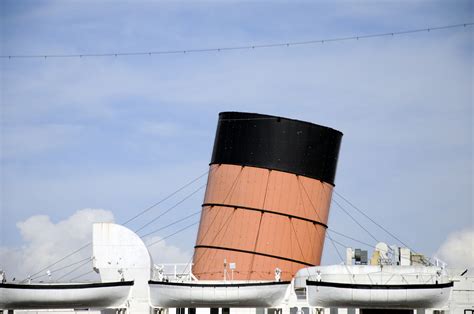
(217, 294)
(120, 254)
(59, 296)
(376, 286)
(120, 257)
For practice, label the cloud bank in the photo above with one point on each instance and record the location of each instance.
(46, 242)
(458, 249)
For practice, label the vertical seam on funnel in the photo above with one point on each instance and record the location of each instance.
(297, 240)
(230, 191)
(304, 210)
(321, 239)
(259, 226)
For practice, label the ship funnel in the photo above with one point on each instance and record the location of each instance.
(267, 199)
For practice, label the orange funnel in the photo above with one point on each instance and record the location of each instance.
(267, 198)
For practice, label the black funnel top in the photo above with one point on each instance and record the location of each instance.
(302, 148)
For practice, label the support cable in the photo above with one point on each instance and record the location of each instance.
(81, 275)
(61, 268)
(326, 234)
(225, 224)
(229, 193)
(59, 260)
(337, 251)
(171, 224)
(170, 235)
(165, 198)
(230, 48)
(124, 223)
(355, 220)
(259, 225)
(350, 238)
(74, 269)
(372, 220)
(170, 209)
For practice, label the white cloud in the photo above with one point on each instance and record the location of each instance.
(45, 242)
(458, 249)
(164, 253)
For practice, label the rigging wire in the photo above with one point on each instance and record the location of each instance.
(124, 223)
(229, 193)
(341, 244)
(225, 224)
(148, 245)
(314, 207)
(170, 209)
(74, 269)
(81, 275)
(297, 240)
(427, 260)
(372, 220)
(319, 217)
(243, 47)
(361, 242)
(327, 234)
(171, 224)
(350, 238)
(165, 198)
(337, 251)
(170, 235)
(301, 185)
(61, 268)
(355, 220)
(58, 261)
(259, 225)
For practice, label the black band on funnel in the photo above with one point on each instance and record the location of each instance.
(276, 143)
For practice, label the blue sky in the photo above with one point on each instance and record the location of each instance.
(121, 133)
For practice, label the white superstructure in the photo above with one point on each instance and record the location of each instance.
(60, 296)
(218, 294)
(376, 286)
(387, 281)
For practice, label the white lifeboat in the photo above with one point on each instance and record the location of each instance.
(217, 294)
(64, 296)
(363, 286)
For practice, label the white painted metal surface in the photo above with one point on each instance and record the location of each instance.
(369, 286)
(371, 274)
(462, 295)
(399, 298)
(62, 296)
(120, 254)
(217, 294)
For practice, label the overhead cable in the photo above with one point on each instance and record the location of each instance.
(170, 209)
(74, 270)
(355, 220)
(59, 260)
(82, 275)
(170, 235)
(230, 48)
(170, 224)
(349, 237)
(372, 220)
(124, 223)
(52, 271)
(165, 198)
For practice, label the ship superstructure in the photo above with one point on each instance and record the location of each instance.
(259, 245)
